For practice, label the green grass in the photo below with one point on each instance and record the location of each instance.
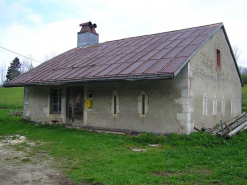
(11, 97)
(86, 156)
(91, 157)
(244, 100)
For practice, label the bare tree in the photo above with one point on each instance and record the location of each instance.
(237, 52)
(3, 70)
(26, 65)
(50, 56)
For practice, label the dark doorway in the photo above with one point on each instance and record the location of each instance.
(75, 102)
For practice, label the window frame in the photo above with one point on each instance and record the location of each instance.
(56, 103)
(218, 58)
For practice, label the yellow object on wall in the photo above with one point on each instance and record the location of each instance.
(89, 103)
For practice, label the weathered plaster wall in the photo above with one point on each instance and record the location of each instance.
(166, 105)
(37, 104)
(211, 88)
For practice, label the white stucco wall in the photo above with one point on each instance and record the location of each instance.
(221, 87)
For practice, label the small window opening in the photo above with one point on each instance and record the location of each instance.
(143, 104)
(115, 105)
(218, 62)
(90, 95)
(56, 100)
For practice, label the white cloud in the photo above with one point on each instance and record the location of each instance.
(35, 18)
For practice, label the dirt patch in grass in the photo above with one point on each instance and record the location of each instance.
(191, 171)
(19, 167)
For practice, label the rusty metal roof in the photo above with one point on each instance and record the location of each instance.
(160, 55)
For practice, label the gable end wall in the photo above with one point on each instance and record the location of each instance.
(214, 93)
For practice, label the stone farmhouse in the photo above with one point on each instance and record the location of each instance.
(167, 82)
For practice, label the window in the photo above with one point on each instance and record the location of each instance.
(143, 104)
(115, 104)
(218, 58)
(56, 100)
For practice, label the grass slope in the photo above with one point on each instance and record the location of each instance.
(11, 97)
(244, 100)
(86, 156)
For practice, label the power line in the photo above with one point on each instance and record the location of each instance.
(20, 54)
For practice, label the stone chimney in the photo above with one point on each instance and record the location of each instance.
(87, 36)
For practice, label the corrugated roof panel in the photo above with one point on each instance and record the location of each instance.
(185, 34)
(131, 68)
(63, 73)
(149, 54)
(145, 40)
(85, 72)
(131, 49)
(162, 45)
(197, 32)
(115, 59)
(118, 69)
(199, 39)
(187, 51)
(175, 36)
(74, 72)
(161, 53)
(54, 74)
(174, 65)
(186, 41)
(144, 67)
(156, 68)
(97, 70)
(172, 53)
(207, 31)
(126, 57)
(107, 70)
(173, 43)
(151, 46)
(141, 48)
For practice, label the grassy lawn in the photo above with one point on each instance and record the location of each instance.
(86, 156)
(244, 100)
(11, 97)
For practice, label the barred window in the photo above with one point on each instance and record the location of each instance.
(56, 100)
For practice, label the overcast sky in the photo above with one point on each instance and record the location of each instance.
(40, 28)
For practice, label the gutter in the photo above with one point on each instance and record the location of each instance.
(88, 80)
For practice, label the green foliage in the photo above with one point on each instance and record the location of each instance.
(13, 70)
(244, 78)
(244, 100)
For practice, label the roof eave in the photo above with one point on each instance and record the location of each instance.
(88, 80)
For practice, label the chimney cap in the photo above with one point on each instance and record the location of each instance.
(88, 27)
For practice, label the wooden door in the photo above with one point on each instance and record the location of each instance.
(75, 103)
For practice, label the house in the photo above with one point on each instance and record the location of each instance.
(164, 83)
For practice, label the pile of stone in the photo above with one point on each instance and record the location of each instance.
(16, 113)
